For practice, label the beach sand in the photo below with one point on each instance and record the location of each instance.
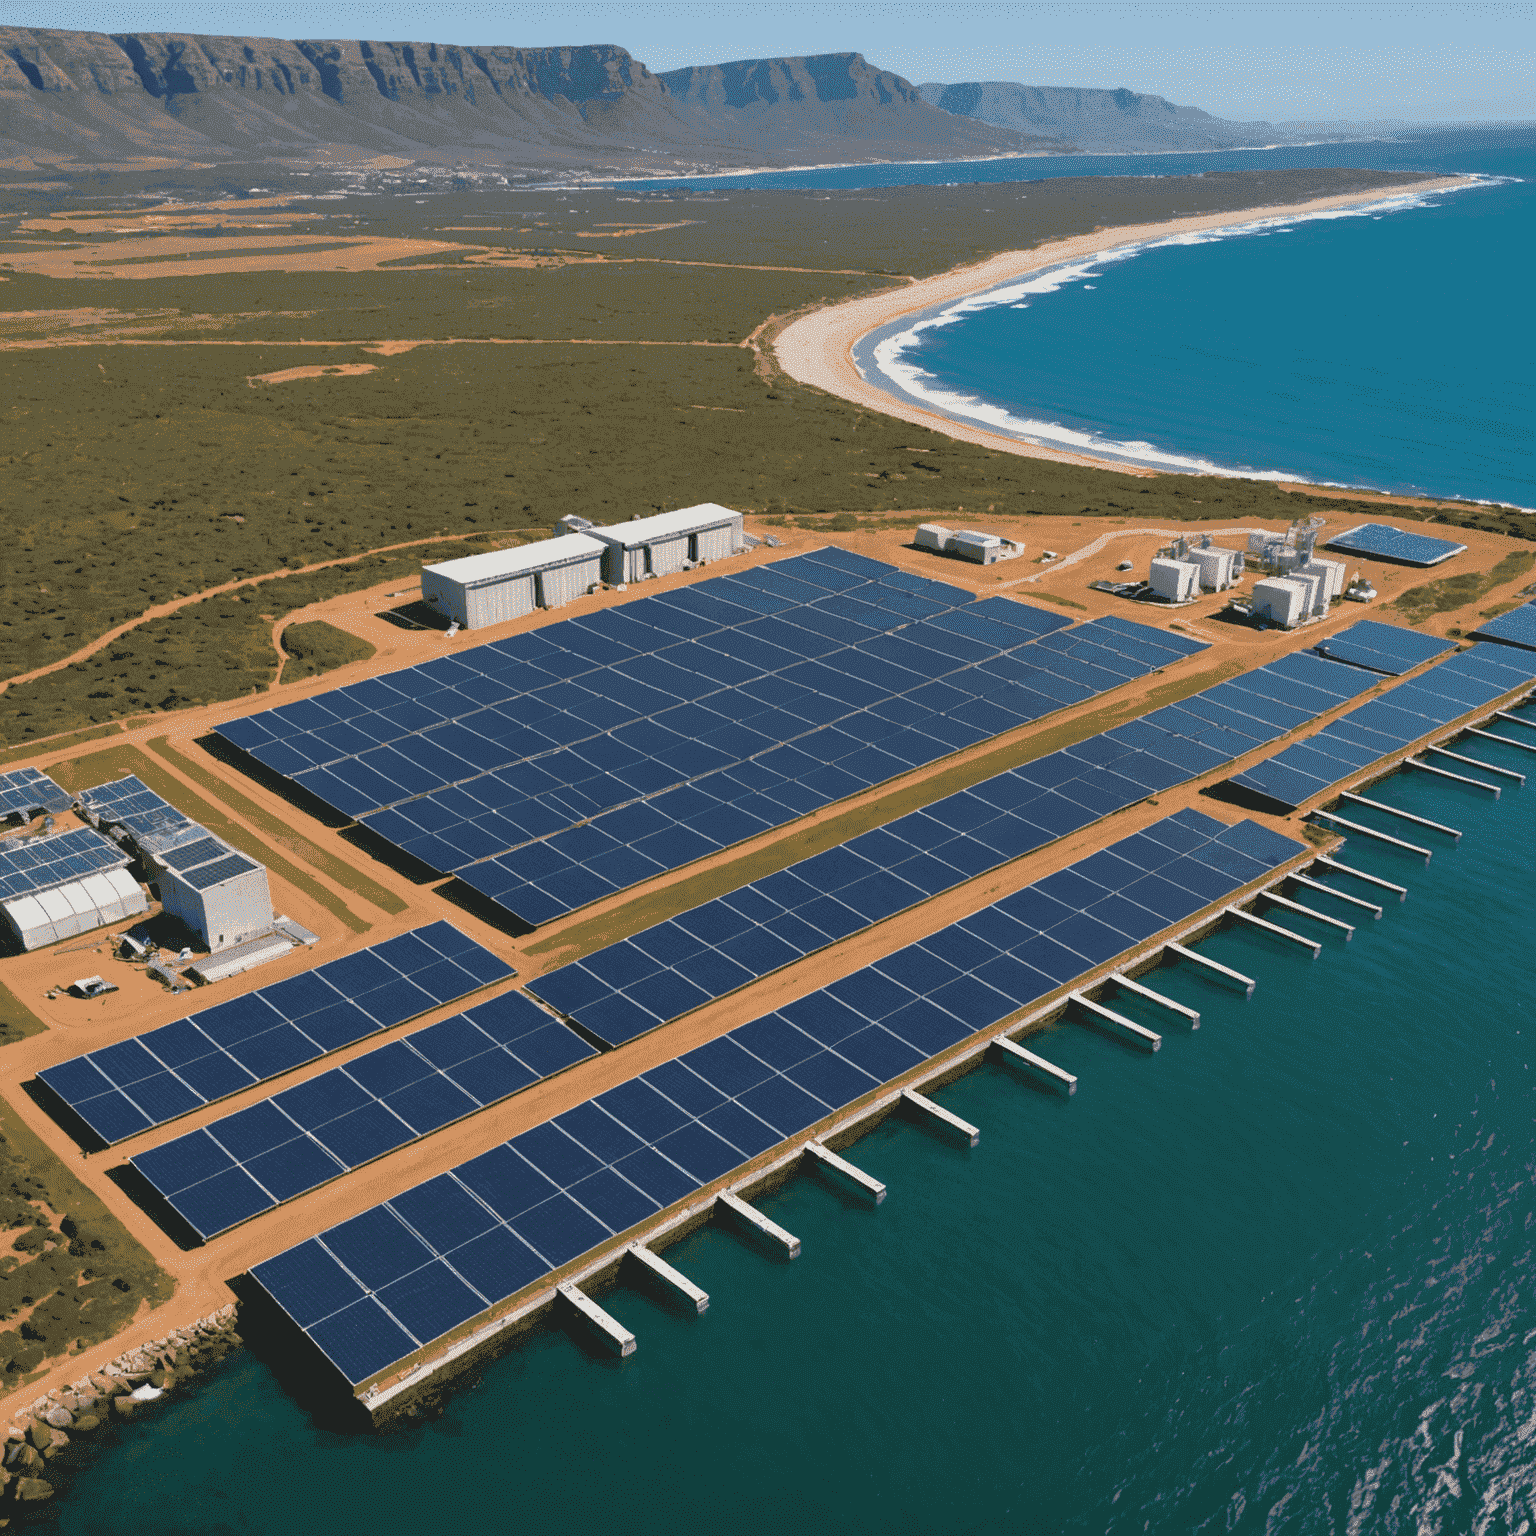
(817, 349)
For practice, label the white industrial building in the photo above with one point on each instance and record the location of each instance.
(76, 907)
(1175, 581)
(670, 541)
(1219, 568)
(1332, 572)
(503, 584)
(1282, 600)
(967, 543)
(221, 895)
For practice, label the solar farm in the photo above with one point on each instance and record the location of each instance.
(706, 873)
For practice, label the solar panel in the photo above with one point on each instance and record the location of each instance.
(507, 1218)
(41, 863)
(1385, 543)
(1517, 627)
(1385, 648)
(126, 1088)
(25, 790)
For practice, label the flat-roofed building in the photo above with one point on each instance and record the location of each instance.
(503, 584)
(657, 546)
(224, 899)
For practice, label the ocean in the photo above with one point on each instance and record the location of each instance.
(1392, 349)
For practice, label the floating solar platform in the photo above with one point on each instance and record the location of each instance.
(254, 1160)
(630, 987)
(1517, 627)
(41, 863)
(1342, 750)
(154, 1078)
(556, 767)
(373, 1290)
(1377, 541)
(1385, 648)
(25, 790)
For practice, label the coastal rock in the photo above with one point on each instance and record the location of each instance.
(59, 1418)
(33, 1490)
(40, 1435)
(125, 1407)
(159, 1379)
(86, 1423)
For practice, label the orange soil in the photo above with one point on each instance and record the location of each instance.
(314, 371)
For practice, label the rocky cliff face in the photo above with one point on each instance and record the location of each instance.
(1103, 122)
(88, 98)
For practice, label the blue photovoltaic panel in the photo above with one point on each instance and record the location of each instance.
(41, 863)
(1415, 709)
(189, 855)
(726, 707)
(209, 875)
(131, 804)
(25, 790)
(510, 1216)
(1517, 627)
(1386, 648)
(129, 1087)
(254, 1160)
(1385, 543)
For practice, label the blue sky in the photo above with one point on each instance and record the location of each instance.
(1238, 60)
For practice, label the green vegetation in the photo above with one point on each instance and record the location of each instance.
(82, 772)
(17, 1021)
(73, 1276)
(278, 833)
(318, 647)
(1450, 592)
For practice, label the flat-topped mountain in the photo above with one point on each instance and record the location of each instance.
(1105, 122)
(89, 98)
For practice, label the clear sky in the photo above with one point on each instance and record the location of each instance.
(1239, 60)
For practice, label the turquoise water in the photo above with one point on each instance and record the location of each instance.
(1276, 1277)
(1393, 349)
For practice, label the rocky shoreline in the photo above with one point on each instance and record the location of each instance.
(122, 1388)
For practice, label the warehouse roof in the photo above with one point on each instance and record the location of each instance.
(497, 564)
(666, 525)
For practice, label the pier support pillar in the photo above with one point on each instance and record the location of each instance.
(1477, 762)
(1392, 810)
(657, 1269)
(1117, 1024)
(753, 1221)
(841, 1168)
(1380, 837)
(1360, 874)
(607, 1330)
(1045, 1073)
(1445, 773)
(1247, 983)
(936, 1114)
(1348, 929)
(1191, 1015)
(1508, 741)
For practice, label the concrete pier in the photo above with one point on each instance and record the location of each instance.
(1508, 741)
(866, 1184)
(1477, 762)
(1046, 1073)
(1131, 985)
(1328, 890)
(953, 1125)
(1247, 983)
(1504, 714)
(606, 1330)
(1381, 837)
(1445, 773)
(753, 1221)
(1360, 874)
(1117, 1024)
(1392, 810)
(658, 1269)
(1348, 929)
(1275, 928)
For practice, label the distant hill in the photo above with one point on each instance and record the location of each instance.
(1106, 122)
(77, 99)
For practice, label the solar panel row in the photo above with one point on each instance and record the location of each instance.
(41, 863)
(248, 1162)
(24, 790)
(630, 987)
(1388, 543)
(376, 1288)
(1517, 627)
(1386, 725)
(1384, 648)
(143, 1082)
(131, 804)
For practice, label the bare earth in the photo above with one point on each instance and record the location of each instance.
(817, 349)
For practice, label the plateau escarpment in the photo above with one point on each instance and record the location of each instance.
(89, 98)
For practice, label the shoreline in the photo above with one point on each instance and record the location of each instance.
(818, 348)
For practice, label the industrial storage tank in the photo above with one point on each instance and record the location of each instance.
(503, 584)
(657, 546)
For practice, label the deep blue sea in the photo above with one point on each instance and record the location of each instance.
(1393, 349)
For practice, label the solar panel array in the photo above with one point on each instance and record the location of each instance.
(1517, 627)
(143, 1082)
(255, 1159)
(25, 790)
(374, 1289)
(131, 804)
(41, 863)
(1383, 648)
(558, 766)
(1388, 543)
(630, 987)
(1462, 683)
(206, 876)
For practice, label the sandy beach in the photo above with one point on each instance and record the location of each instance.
(818, 348)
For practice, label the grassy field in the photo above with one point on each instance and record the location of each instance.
(131, 473)
(1461, 590)
(318, 647)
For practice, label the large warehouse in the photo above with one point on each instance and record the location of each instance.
(656, 546)
(508, 583)
(56, 887)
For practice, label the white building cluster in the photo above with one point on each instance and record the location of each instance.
(967, 544)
